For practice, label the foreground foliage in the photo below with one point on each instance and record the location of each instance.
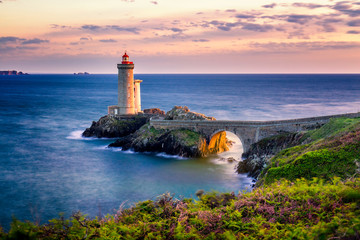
(283, 210)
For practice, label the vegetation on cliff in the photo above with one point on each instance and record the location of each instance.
(284, 210)
(182, 142)
(115, 126)
(332, 150)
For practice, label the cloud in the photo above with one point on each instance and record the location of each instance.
(282, 47)
(224, 28)
(200, 40)
(4, 40)
(154, 2)
(107, 40)
(300, 19)
(354, 23)
(269, 5)
(177, 30)
(35, 41)
(85, 39)
(128, 0)
(257, 27)
(308, 5)
(91, 27)
(353, 32)
(7, 49)
(346, 7)
(126, 29)
(97, 28)
(230, 10)
(244, 16)
(57, 26)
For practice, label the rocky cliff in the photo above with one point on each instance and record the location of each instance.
(181, 142)
(135, 133)
(259, 154)
(120, 126)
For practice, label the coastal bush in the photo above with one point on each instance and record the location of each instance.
(336, 152)
(302, 209)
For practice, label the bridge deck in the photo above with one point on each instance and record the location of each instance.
(252, 123)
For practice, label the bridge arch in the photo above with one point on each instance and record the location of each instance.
(227, 135)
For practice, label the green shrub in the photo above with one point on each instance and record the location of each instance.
(302, 209)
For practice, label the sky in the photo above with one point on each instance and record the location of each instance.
(187, 36)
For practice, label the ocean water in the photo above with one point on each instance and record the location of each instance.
(46, 167)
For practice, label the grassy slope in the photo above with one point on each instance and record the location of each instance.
(334, 151)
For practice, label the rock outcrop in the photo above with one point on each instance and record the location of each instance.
(259, 154)
(183, 113)
(154, 111)
(135, 133)
(181, 142)
(120, 126)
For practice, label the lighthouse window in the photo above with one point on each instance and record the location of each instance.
(128, 74)
(128, 94)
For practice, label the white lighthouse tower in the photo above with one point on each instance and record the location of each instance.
(129, 101)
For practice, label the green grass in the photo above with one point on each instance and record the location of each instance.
(301, 209)
(190, 138)
(335, 126)
(335, 151)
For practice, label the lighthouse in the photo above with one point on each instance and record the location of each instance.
(129, 101)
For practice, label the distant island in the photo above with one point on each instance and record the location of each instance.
(12, 72)
(82, 73)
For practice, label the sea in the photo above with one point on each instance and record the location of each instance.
(47, 168)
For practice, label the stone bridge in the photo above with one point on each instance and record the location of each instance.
(248, 132)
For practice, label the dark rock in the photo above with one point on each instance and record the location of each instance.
(259, 154)
(183, 113)
(181, 142)
(115, 126)
(154, 111)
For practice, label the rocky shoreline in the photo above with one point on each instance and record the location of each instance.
(260, 153)
(134, 132)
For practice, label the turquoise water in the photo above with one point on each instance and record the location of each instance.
(47, 168)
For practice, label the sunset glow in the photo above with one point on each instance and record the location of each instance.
(170, 36)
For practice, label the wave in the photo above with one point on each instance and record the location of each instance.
(129, 151)
(115, 149)
(77, 135)
(164, 155)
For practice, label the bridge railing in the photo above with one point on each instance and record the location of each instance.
(320, 119)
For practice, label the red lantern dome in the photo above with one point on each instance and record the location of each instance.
(125, 59)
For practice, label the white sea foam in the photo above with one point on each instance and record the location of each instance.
(164, 155)
(115, 149)
(129, 151)
(77, 135)
(106, 147)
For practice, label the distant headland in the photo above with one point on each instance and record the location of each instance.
(82, 73)
(12, 72)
